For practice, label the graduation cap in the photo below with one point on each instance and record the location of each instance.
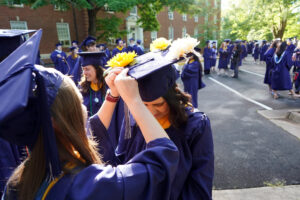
(227, 40)
(131, 39)
(101, 45)
(27, 92)
(91, 58)
(10, 40)
(88, 41)
(118, 40)
(75, 41)
(72, 48)
(58, 44)
(139, 41)
(154, 74)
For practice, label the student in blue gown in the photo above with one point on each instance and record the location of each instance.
(72, 58)
(191, 77)
(92, 84)
(282, 61)
(59, 59)
(296, 59)
(138, 48)
(214, 52)
(131, 46)
(102, 48)
(269, 63)
(256, 51)
(230, 47)
(223, 57)
(263, 50)
(119, 48)
(207, 55)
(64, 163)
(75, 44)
(189, 129)
(89, 44)
(244, 49)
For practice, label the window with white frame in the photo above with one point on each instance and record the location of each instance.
(196, 32)
(170, 14)
(153, 35)
(63, 33)
(59, 8)
(196, 18)
(215, 19)
(183, 32)
(171, 33)
(107, 9)
(18, 25)
(133, 11)
(15, 3)
(184, 17)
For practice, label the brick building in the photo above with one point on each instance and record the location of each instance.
(72, 24)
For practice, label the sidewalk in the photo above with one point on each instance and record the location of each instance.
(291, 192)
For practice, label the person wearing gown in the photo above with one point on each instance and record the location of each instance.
(138, 48)
(236, 57)
(64, 163)
(263, 50)
(256, 51)
(89, 43)
(72, 58)
(207, 55)
(58, 58)
(188, 128)
(191, 77)
(214, 51)
(296, 59)
(282, 62)
(223, 57)
(119, 48)
(269, 63)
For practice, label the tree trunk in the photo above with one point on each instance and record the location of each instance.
(279, 30)
(92, 21)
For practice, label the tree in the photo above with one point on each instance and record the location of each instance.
(147, 8)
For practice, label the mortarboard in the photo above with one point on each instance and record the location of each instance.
(75, 41)
(213, 42)
(207, 42)
(87, 41)
(25, 115)
(11, 39)
(91, 58)
(58, 44)
(118, 40)
(72, 48)
(131, 39)
(139, 41)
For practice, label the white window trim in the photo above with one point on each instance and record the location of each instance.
(196, 18)
(171, 15)
(184, 17)
(153, 35)
(171, 33)
(133, 13)
(68, 36)
(16, 5)
(184, 31)
(19, 22)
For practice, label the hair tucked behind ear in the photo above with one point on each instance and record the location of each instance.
(74, 147)
(177, 101)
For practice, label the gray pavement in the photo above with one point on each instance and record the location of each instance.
(250, 150)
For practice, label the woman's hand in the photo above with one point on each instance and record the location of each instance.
(127, 87)
(110, 81)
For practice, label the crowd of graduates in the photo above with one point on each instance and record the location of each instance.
(121, 128)
(282, 58)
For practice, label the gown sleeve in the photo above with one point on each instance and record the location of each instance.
(200, 180)
(148, 175)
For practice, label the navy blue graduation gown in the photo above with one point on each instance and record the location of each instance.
(77, 71)
(93, 101)
(256, 53)
(223, 58)
(148, 175)
(10, 158)
(115, 51)
(192, 80)
(195, 172)
(207, 55)
(244, 51)
(139, 51)
(249, 48)
(60, 63)
(269, 65)
(229, 50)
(214, 56)
(262, 52)
(71, 62)
(280, 78)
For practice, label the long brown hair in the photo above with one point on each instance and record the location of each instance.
(68, 119)
(177, 101)
(85, 85)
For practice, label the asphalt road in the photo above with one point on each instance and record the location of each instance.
(250, 151)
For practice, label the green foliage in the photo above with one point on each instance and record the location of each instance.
(109, 28)
(261, 19)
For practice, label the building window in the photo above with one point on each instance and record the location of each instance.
(183, 32)
(133, 11)
(196, 32)
(63, 33)
(170, 14)
(15, 3)
(184, 17)
(18, 25)
(171, 33)
(215, 19)
(196, 18)
(59, 8)
(107, 9)
(153, 35)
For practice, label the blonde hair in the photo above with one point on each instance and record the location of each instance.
(68, 119)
